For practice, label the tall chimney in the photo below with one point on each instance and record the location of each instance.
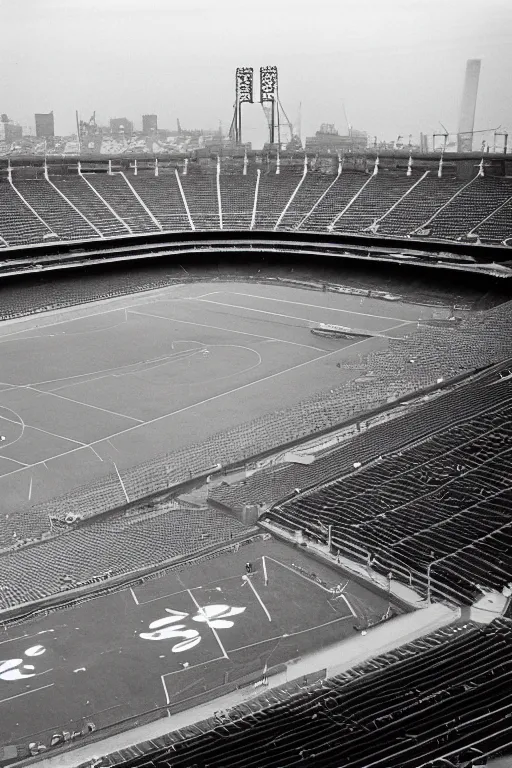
(468, 106)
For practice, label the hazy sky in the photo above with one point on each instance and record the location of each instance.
(398, 65)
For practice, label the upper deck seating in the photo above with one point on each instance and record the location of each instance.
(78, 192)
(162, 196)
(117, 193)
(339, 195)
(310, 191)
(274, 193)
(237, 195)
(18, 225)
(54, 210)
(381, 192)
(200, 190)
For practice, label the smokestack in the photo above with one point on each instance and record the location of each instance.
(468, 106)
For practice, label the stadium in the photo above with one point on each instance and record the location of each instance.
(255, 456)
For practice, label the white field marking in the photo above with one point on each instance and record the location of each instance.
(302, 304)
(307, 320)
(134, 597)
(87, 405)
(181, 591)
(207, 620)
(192, 666)
(20, 422)
(14, 461)
(291, 634)
(187, 407)
(264, 570)
(64, 333)
(258, 598)
(298, 573)
(167, 699)
(96, 452)
(121, 481)
(176, 358)
(27, 637)
(354, 614)
(45, 431)
(30, 488)
(26, 693)
(225, 330)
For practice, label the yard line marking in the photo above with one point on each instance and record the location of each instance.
(225, 330)
(181, 591)
(121, 481)
(291, 634)
(15, 461)
(207, 620)
(87, 405)
(258, 598)
(290, 317)
(167, 699)
(316, 306)
(298, 573)
(193, 666)
(192, 405)
(27, 637)
(134, 597)
(354, 614)
(30, 488)
(45, 431)
(96, 452)
(26, 693)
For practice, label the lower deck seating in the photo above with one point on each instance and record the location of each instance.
(433, 698)
(419, 205)
(435, 513)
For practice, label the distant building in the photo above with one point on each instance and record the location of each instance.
(9, 131)
(149, 125)
(327, 139)
(44, 125)
(121, 126)
(468, 106)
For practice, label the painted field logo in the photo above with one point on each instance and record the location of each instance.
(173, 626)
(15, 669)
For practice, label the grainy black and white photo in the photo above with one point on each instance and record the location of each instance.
(255, 384)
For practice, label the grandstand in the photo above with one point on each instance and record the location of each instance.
(193, 426)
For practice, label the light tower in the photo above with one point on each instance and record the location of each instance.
(468, 106)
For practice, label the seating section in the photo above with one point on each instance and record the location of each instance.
(237, 194)
(338, 196)
(310, 191)
(381, 192)
(200, 191)
(163, 198)
(433, 698)
(276, 483)
(117, 193)
(18, 225)
(444, 208)
(498, 227)
(419, 205)
(54, 210)
(80, 555)
(479, 199)
(445, 499)
(274, 192)
(78, 192)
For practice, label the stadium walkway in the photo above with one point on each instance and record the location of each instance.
(356, 650)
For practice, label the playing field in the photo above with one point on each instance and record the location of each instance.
(115, 383)
(170, 640)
